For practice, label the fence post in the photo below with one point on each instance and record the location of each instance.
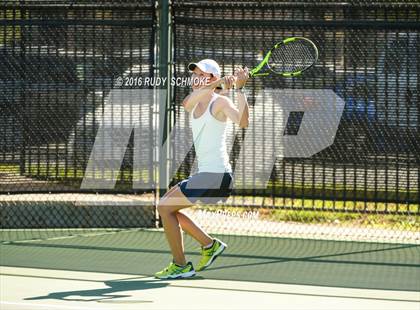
(23, 104)
(164, 54)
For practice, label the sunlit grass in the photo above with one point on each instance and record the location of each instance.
(279, 209)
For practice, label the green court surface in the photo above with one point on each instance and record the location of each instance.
(116, 267)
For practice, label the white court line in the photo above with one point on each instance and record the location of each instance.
(105, 231)
(225, 294)
(228, 285)
(27, 304)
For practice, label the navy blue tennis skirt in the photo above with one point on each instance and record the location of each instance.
(207, 187)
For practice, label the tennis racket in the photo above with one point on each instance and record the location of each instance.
(288, 58)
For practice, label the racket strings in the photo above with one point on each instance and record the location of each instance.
(292, 57)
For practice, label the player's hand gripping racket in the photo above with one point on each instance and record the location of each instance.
(288, 58)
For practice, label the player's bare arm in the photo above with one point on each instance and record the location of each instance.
(199, 94)
(225, 108)
(203, 85)
(242, 75)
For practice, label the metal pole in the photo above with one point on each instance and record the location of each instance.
(164, 104)
(23, 104)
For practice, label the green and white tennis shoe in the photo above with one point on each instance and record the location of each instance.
(173, 271)
(209, 255)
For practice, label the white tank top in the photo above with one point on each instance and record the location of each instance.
(209, 136)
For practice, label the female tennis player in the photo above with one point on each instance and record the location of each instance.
(209, 112)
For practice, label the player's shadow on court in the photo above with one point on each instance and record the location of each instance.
(111, 292)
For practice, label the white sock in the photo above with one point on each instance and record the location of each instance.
(209, 245)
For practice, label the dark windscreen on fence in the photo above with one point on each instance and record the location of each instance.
(60, 60)
(369, 56)
(332, 153)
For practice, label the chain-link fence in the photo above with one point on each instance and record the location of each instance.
(369, 57)
(60, 64)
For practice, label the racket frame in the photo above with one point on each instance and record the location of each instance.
(264, 62)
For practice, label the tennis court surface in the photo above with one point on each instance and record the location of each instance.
(324, 213)
(106, 269)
